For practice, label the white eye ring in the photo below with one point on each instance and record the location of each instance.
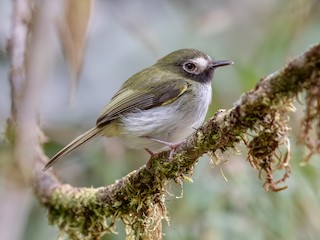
(190, 67)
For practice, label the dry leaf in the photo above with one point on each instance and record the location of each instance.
(73, 29)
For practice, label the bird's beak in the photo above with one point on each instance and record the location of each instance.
(220, 63)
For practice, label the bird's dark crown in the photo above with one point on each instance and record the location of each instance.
(180, 56)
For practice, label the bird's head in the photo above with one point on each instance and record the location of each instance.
(192, 64)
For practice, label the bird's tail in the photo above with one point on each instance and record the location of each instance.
(73, 145)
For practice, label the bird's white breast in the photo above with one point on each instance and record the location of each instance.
(171, 123)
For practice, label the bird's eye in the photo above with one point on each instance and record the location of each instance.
(190, 67)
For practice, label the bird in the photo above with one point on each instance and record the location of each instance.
(158, 107)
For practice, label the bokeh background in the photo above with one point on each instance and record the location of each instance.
(126, 36)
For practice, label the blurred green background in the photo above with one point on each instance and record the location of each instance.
(126, 36)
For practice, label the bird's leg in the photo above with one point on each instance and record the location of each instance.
(173, 146)
(152, 154)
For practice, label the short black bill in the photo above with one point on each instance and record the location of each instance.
(220, 63)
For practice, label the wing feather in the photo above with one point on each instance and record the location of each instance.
(126, 101)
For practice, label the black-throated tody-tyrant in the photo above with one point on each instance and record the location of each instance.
(157, 107)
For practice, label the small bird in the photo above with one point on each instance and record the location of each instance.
(157, 107)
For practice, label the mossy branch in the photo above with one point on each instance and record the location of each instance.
(258, 119)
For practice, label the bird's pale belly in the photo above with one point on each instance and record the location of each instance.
(171, 123)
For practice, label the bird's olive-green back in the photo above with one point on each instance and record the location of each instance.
(149, 88)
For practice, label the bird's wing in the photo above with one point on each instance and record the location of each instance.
(131, 100)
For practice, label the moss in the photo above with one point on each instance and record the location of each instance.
(76, 213)
(80, 214)
(266, 143)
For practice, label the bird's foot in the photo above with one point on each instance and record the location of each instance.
(172, 146)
